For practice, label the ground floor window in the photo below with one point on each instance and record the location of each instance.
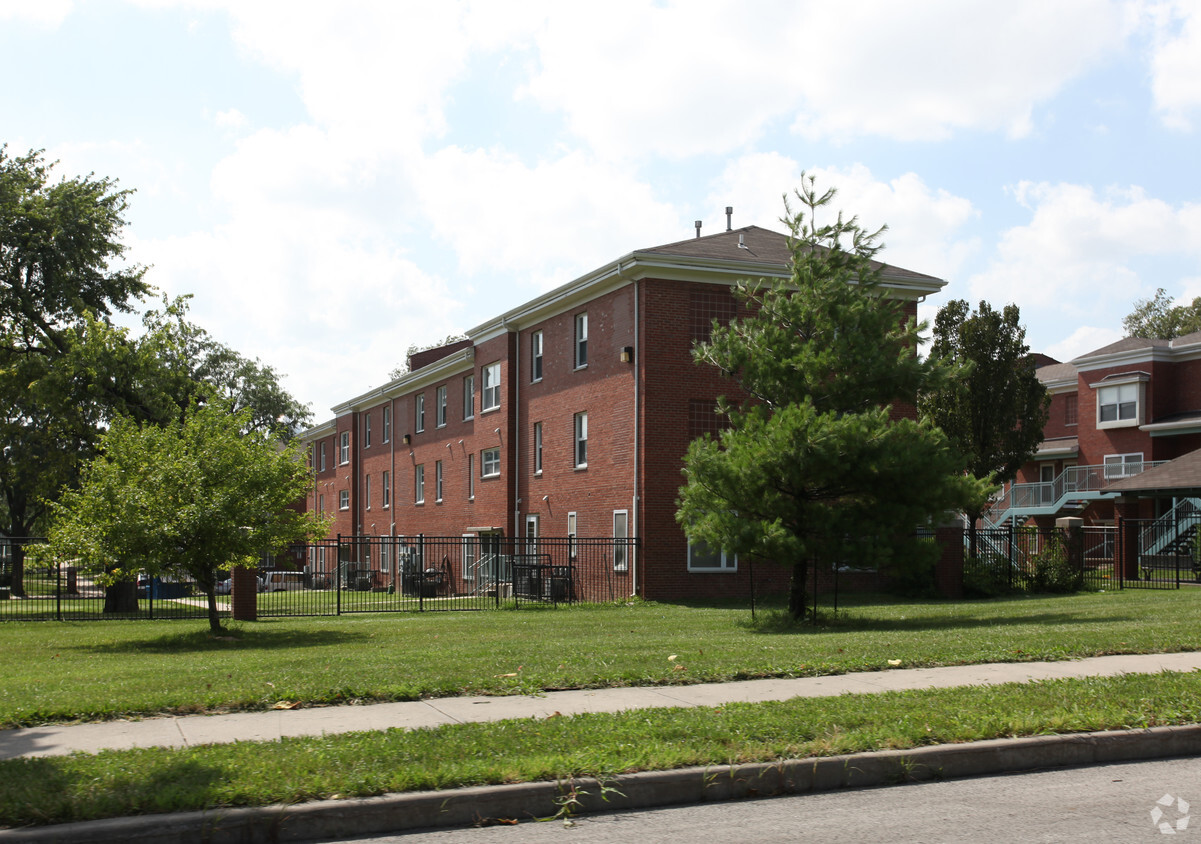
(703, 558)
(621, 533)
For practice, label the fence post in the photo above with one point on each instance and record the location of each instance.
(1126, 563)
(1009, 553)
(1072, 531)
(244, 594)
(948, 574)
(58, 590)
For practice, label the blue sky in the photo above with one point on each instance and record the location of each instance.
(334, 182)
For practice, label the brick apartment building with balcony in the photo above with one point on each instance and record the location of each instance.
(1115, 413)
(567, 415)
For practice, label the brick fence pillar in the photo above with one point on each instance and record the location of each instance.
(1072, 530)
(244, 594)
(948, 573)
(1125, 562)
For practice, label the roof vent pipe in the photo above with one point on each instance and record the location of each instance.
(729, 218)
(741, 242)
(698, 228)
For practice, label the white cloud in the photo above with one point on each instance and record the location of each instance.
(924, 224)
(571, 212)
(1083, 340)
(1176, 62)
(230, 119)
(45, 13)
(1080, 253)
(679, 79)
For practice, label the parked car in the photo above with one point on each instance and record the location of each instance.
(224, 587)
(282, 581)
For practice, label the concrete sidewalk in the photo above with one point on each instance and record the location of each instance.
(194, 730)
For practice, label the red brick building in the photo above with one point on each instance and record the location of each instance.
(567, 415)
(1115, 413)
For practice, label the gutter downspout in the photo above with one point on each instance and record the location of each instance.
(637, 526)
(395, 561)
(515, 433)
(635, 521)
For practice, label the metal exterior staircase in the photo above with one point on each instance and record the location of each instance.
(1047, 498)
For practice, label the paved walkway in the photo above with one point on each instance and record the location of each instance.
(193, 730)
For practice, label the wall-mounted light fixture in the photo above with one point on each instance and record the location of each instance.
(408, 438)
(627, 354)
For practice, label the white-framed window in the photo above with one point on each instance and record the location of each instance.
(419, 412)
(537, 448)
(469, 397)
(531, 536)
(1123, 465)
(438, 481)
(385, 555)
(1118, 405)
(419, 484)
(621, 536)
(581, 340)
(490, 462)
(440, 406)
(536, 356)
(703, 558)
(581, 440)
(468, 556)
(367, 430)
(491, 397)
(571, 534)
(323, 455)
(367, 491)
(471, 477)
(344, 499)
(344, 448)
(386, 491)
(321, 503)
(387, 420)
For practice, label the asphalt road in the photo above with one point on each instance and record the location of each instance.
(1111, 803)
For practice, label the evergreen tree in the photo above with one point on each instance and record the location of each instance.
(812, 468)
(994, 412)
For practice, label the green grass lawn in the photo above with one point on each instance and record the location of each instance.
(111, 784)
(57, 672)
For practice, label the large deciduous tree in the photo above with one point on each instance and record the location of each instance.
(1158, 319)
(66, 371)
(995, 410)
(812, 467)
(60, 261)
(193, 497)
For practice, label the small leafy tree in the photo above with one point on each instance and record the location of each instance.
(1158, 319)
(812, 466)
(194, 497)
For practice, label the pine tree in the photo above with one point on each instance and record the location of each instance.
(812, 468)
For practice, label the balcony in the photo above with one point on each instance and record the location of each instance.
(1076, 483)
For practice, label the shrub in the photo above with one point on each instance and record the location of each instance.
(1051, 570)
(989, 577)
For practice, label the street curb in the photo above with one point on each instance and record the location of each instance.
(332, 819)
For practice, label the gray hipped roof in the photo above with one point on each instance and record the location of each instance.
(1182, 475)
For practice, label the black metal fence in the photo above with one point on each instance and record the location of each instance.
(350, 574)
(31, 590)
(1030, 559)
(355, 574)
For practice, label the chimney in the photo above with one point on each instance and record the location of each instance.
(729, 218)
(698, 228)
